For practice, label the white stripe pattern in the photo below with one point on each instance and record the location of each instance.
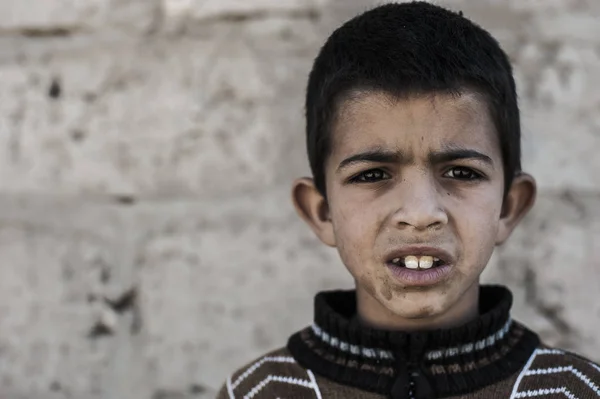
(551, 370)
(595, 366)
(252, 369)
(229, 388)
(346, 347)
(515, 390)
(314, 383)
(468, 348)
(374, 353)
(549, 352)
(571, 369)
(549, 391)
(277, 378)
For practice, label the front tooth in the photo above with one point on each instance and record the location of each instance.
(425, 262)
(411, 262)
(396, 260)
(436, 259)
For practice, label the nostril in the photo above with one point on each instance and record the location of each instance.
(420, 217)
(436, 224)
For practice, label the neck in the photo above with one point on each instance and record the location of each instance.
(373, 314)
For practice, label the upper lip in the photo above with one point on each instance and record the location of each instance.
(443, 255)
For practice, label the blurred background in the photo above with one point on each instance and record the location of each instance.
(148, 245)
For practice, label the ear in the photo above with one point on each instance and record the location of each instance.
(519, 200)
(313, 209)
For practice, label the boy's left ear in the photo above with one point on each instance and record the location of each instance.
(518, 202)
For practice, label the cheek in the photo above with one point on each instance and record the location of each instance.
(355, 231)
(351, 235)
(477, 229)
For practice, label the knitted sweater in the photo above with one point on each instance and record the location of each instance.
(492, 356)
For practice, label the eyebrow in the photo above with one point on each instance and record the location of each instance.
(455, 154)
(384, 156)
(376, 156)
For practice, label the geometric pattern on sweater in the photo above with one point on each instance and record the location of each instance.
(375, 353)
(548, 374)
(445, 374)
(556, 373)
(275, 372)
(435, 365)
(491, 356)
(419, 364)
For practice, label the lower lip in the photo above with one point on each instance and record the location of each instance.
(419, 278)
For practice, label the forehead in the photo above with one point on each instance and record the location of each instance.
(376, 119)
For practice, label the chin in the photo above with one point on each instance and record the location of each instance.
(415, 305)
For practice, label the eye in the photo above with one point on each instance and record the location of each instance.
(463, 173)
(370, 176)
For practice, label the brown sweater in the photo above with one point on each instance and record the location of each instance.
(490, 357)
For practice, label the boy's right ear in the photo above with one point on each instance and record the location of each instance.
(313, 209)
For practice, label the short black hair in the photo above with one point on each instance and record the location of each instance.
(409, 49)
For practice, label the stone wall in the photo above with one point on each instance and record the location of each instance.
(147, 239)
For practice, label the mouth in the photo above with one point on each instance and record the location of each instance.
(419, 258)
(420, 266)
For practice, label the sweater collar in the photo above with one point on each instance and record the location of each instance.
(426, 364)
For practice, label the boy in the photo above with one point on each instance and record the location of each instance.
(413, 139)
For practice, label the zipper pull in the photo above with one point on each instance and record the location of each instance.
(420, 385)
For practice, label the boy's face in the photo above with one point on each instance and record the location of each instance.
(421, 176)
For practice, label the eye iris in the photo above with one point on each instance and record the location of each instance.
(461, 172)
(372, 175)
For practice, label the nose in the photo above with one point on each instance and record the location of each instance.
(419, 204)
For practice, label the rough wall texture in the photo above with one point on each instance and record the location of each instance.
(147, 241)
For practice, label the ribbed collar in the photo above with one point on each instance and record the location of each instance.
(428, 364)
